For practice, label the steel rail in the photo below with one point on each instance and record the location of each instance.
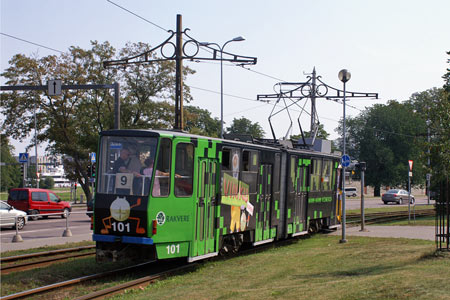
(387, 216)
(134, 283)
(45, 253)
(30, 264)
(70, 282)
(149, 279)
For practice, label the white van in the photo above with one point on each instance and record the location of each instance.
(350, 192)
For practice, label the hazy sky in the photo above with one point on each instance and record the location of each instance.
(393, 48)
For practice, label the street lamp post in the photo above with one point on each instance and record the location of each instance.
(236, 39)
(344, 76)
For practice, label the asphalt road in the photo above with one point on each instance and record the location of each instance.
(375, 202)
(49, 231)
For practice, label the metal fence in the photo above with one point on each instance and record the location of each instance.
(443, 217)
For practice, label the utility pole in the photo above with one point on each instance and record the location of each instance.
(178, 55)
(292, 93)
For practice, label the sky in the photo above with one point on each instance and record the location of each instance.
(393, 48)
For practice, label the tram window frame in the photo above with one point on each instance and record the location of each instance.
(249, 170)
(227, 168)
(315, 174)
(327, 178)
(110, 151)
(163, 165)
(182, 158)
(292, 173)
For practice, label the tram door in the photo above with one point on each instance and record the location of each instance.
(301, 193)
(207, 193)
(266, 180)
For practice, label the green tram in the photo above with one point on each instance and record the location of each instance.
(166, 194)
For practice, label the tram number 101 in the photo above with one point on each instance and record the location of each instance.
(120, 227)
(172, 249)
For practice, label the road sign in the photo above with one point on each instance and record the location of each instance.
(345, 160)
(23, 157)
(92, 157)
(410, 174)
(410, 162)
(54, 87)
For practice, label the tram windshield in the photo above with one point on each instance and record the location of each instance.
(126, 165)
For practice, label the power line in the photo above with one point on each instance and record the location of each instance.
(138, 16)
(29, 42)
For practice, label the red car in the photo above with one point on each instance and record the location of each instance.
(38, 201)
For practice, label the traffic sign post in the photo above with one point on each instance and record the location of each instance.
(92, 157)
(345, 161)
(410, 162)
(54, 87)
(23, 157)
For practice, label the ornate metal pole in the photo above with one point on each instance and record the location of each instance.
(344, 76)
(179, 78)
(236, 39)
(178, 55)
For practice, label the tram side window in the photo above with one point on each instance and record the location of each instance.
(292, 170)
(184, 168)
(226, 159)
(315, 174)
(250, 170)
(230, 171)
(161, 183)
(326, 175)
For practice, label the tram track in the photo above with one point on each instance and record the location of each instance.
(33, 260)
(382, 217)
(162, 270)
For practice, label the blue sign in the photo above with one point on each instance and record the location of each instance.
(23, 157)
(345, 160)
(92, 157)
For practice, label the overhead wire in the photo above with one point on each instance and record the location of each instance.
(30, 42)
(231, 64)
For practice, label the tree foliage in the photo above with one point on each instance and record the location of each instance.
(10, 172)
(386, 137)
(321, 134)
(199, 121)
(245, 126)
(70, 123)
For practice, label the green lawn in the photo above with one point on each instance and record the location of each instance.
(312, 268)
(317, 268)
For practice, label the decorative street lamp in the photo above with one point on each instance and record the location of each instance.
(344, 76)
(236, 39)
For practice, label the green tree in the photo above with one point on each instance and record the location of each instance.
(70, 123)
(245, 126)
(386, 137)
(199, 121)
(321, 134)
(10, 172)
(47, 183)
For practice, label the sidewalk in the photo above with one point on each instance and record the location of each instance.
(36, 243)
(409, 232)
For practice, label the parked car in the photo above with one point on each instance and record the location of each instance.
(350, 191)
(11, 217)
(38, 201)
(397, 196)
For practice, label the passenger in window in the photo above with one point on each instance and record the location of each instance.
(135, 163)
(122, 164)
(147, 170)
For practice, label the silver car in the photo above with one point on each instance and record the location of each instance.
(9, 216)
(397, 196)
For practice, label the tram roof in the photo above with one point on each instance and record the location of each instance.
(257, 145)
